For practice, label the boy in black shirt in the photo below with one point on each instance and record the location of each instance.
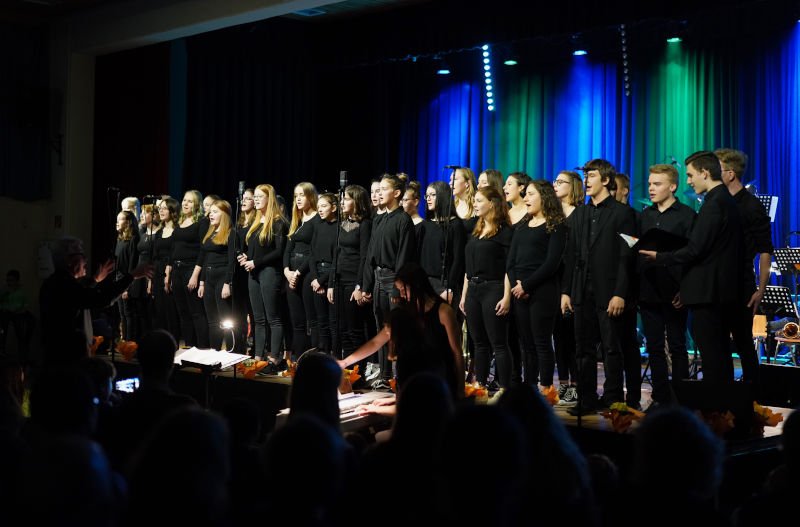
(596, 282)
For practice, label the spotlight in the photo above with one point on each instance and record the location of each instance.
(510, 62)
(580, 52)
(441, 67)
(674, 40)
(226, 324)
(443, 71)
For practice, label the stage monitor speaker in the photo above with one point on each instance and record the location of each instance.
(779, 385)
(736, 397)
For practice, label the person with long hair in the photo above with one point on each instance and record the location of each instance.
(242, 310)
(296, 266)
(568, 186)
(185, 267)
(216, 279)
(392, 245)
(486, 295)
(207, 202)
(491, 177)
(132, 205)
(354, 236)
(166, 312)
(266, 240)
(534, 264)
(442, 247)
(140, 294)
(514, 192)
(323, 252)
(463, 184)
(126, 258)
(375, 197)
(438, 342)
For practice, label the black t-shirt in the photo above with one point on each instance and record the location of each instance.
(485, 258)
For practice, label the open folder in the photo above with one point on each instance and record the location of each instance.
(210, 357)
(655, 240)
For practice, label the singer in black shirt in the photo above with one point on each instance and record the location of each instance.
(443, 243)
(125, 257)
(300, 297)
(166, 310)
(216, 278)
(323, 248)
(185, 265)
(659, 285)
(534, 266)
(597, 271)
(757, 243)
(486, 294)
(392, 245)
(266, 241)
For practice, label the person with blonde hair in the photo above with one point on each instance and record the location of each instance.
(216, 278)
(463, 183)
(266, 240)
(184, 270)
(131, 204)
(296, 266)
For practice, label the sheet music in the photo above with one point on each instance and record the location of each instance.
(209, 357)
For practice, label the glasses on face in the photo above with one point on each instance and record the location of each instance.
(559, 182)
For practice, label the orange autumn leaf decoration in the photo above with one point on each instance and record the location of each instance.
(249, 367)
(352, 375)
(476, 390)
(622, 416)
(393, 385)
(96, 341)
(291, 369)
(550, 395)
(719, 422)
(127, 348)
(765, 416)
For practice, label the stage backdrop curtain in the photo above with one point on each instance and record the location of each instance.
(687, 99)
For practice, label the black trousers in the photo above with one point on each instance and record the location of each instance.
(631, 355)
(350, 317)
(711, 327)
(663, 324)
(191, 315)
(325, 317)
(218, 309)
(564, 339)
(489, 332)
(166, 312)
(742, 333)
(535, 320)
(302, 313)
(594, 327)
(242, 311)
(381, 305)
(265, 292)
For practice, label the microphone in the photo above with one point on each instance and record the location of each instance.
(453, 167)
(674, 162)
(580, 169)
(241, 188)
(342, 179)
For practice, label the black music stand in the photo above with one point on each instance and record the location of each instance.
(770, 205)
(206, 370)
(787, 259)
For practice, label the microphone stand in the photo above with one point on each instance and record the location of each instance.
(337, 302)
(237, 249)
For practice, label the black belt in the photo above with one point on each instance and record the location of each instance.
(378, 268)
(324, 265)
(182, 263)
(478, 280)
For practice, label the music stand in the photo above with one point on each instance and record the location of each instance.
(788, 258)
(770, 205)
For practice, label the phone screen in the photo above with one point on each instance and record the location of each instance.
(127, 385)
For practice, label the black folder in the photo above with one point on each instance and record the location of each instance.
(660, 241)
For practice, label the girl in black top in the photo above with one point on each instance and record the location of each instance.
(486, 295)
(266, 241)
(216, 278)
(323, 248)
(354, 235)
(141, 291)
(240, 296)
(184, 270)
(166, 310)
(392, 245)
(534, 265)
(442, 248)
(463, 183)
(568, 187)
(126, 257)
(410, 204)
(296, 266)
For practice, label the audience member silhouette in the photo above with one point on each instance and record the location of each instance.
(139, 413)
(180, 474)
(315, 388)
(558, 474)
(679, 459)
